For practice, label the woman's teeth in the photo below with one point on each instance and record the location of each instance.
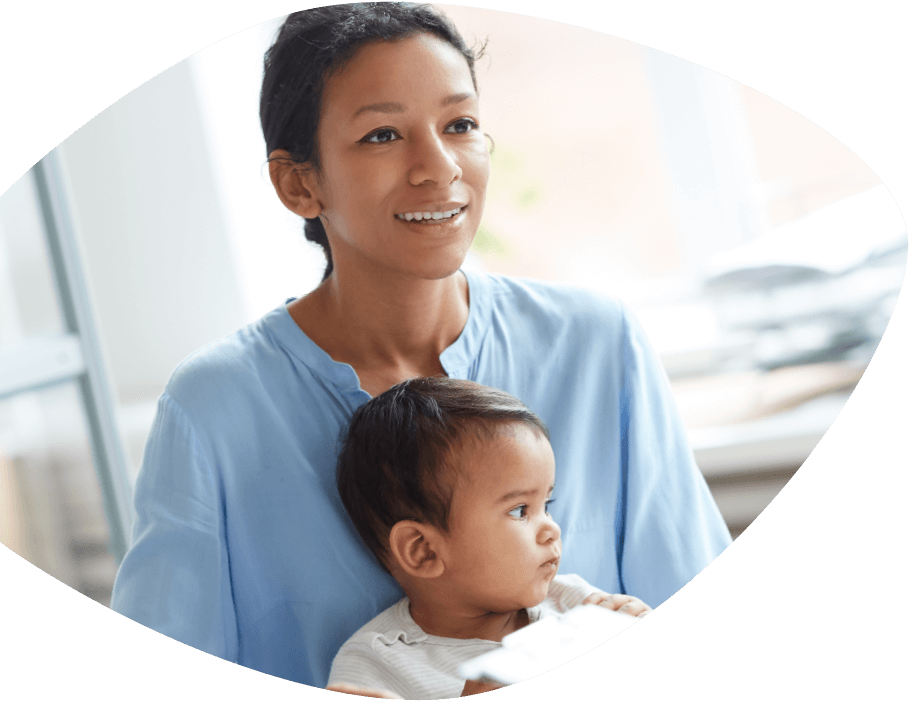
(420, 216)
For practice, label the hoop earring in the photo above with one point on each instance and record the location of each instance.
(492, 143)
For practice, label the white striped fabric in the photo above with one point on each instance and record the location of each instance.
(391, 653)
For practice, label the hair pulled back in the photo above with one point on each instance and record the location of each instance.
(311, 46)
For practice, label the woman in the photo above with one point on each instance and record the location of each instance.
(241, 545)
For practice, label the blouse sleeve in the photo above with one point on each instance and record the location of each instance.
(175, 578)
(671, 526)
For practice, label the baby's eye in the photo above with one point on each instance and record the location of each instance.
(519, 512)
(546, 506)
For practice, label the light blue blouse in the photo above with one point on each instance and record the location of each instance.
(242, 547)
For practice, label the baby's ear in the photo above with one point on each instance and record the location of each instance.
(413, 548)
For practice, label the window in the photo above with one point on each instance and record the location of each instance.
(62, 480)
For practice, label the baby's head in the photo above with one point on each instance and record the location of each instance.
(448, 483)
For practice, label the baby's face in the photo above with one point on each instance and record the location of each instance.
(503, 548)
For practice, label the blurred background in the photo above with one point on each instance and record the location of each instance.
(761, 255)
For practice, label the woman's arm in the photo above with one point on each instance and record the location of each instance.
(671, 526)
(175, 578)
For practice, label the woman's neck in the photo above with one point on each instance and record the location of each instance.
(388, 328)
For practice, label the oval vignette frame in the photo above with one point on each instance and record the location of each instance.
(781, 545)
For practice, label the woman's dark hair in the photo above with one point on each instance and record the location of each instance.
(395, 461)
(311, 46)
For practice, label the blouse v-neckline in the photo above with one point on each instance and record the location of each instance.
(456, 359)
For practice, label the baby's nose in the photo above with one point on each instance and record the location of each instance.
(550, 530)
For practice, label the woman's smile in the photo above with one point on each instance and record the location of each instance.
(444, 221)
(428, 215)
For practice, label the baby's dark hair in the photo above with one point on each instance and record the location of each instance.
(395, 461)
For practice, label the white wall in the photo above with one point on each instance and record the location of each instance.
(183, 238)
(160, 267)
(274, 259)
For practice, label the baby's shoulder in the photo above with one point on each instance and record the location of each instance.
(379, 656)
(385, 629)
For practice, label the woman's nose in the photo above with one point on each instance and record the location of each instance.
(433, 162)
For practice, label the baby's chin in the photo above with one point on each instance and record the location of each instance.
(530, 596)
(538, 595)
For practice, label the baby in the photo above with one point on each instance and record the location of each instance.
(448, 482)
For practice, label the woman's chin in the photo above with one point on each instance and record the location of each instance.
(440, 268)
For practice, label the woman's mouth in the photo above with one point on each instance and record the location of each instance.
(431, 217)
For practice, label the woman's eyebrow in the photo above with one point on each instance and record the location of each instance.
(398, 108)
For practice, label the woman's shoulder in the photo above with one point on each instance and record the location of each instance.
(226, 355)
(237, 362)
(551, 296)
(554, 304)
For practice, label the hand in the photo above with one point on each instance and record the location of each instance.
(475, 687)
(619, 603)
(362, 691)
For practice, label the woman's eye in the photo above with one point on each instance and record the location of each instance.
(382, 136)
(471, 124)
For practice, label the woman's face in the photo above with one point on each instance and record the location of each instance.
(399, 137)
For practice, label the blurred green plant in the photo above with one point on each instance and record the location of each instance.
(487, 242)
(508, 182)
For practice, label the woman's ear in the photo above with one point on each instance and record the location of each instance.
(296, 184)
(413, 547)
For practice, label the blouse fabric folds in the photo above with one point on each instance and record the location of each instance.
(242, 548)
